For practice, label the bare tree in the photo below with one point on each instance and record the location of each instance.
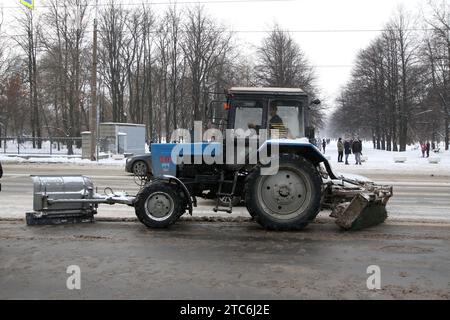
(113, 41)
(204, 45)
(438, 53)
(30, 45)
(282, 63)
(65, 66)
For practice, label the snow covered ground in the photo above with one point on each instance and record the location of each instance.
(384, 160)
(376, 160)
(26, 147)
(46, 158)
(61, 159)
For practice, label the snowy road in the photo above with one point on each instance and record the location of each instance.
(416, 196)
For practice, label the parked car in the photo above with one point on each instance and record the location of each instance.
(139, 165)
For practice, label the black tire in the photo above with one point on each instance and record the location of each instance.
(140, 168)
(159, 204)
(288, 200)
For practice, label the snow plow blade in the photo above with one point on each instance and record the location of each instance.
(359, 205)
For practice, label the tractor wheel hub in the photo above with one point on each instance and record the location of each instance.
(159, 205)
(284, 191)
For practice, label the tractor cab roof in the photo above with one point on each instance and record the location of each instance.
(266, 91)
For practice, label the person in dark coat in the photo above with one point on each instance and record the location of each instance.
(324, 144)
(428, 149)
(357, 149)
(340, 147)
(423, 148)
(1, 175)
(347, 150)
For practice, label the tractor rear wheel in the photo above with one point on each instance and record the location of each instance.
(288, 200)
(159, 204)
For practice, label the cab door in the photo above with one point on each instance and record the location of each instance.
(247, 117)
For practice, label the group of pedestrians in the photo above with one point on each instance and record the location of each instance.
(348, 147)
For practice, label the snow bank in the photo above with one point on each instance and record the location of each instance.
(376, 160)
(59, 159)
(26, 147)
(384, 160)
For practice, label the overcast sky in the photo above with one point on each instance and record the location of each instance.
(331, 52)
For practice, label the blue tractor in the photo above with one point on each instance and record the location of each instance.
(254, 148)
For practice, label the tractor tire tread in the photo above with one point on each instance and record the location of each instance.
(294, 224)
(146, 191)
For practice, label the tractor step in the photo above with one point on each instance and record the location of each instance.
(223, 210)
(228, 181)
(219, 193)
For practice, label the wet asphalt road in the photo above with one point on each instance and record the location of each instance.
(415, 196)
(223, 261)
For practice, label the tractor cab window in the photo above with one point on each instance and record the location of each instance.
(287, 118)
(217, 115)
(248, 115)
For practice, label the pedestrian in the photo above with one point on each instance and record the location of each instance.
(357, 149)
(347, 150)
(423, 147)
(324, 144)
(340, 147)
(1, 175)
(428, 149)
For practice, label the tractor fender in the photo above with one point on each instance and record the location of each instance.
(192, 202)
(301, 147)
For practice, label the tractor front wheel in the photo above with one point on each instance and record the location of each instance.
(159, 204)
(287, 200)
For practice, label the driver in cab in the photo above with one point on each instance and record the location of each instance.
(275, 123)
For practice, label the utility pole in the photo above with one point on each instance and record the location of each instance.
(446, 101)
(93, 113)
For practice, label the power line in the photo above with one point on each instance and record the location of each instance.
(333, 66)
(266, 31)
(331, 30)
(154, 3)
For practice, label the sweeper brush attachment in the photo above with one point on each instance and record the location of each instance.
(357, 205)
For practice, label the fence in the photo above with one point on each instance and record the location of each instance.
(43, 146)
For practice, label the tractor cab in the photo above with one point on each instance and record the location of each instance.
(280, 109)
(282, 112)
